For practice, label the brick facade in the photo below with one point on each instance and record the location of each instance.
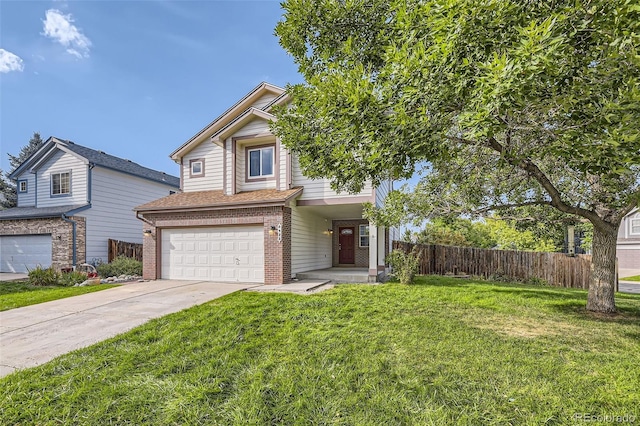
(277, 255)
(61, 237)
(361, 253)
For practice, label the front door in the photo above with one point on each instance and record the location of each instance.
(346, 245)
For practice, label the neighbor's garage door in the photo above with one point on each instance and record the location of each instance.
(18, 253)
(629, 258)
(214, 254)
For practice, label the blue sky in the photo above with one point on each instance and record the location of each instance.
(135, 79)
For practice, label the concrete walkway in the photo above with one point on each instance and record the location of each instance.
(9, 276)
(36, 334)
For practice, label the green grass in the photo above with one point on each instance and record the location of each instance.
(16, 294)
(634, 278)
(442, 352)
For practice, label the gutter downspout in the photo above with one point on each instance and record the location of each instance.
(147, 221)
(73, 223)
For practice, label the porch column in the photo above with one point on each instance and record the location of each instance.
(373, 252)
(382, 241)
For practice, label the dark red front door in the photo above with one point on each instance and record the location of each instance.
(346, 240)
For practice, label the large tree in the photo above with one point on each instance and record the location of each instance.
(7, 187)
(515, 104)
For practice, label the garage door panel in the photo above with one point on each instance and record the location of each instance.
(19, 253)
(221, 253)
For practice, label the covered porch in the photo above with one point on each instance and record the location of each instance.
(333, 241)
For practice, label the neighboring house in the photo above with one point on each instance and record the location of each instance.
(247, 213)
(628, 247)
(71, 200)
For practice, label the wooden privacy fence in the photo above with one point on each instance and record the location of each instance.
(123, 248)
(557, 269)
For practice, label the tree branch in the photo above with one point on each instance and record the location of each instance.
(534, 171)
(629, 207)
(510, 206)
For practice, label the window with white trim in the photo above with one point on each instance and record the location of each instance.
(61, 183)
(261, 162)
(22, 186)
(635, 226)
(363, 235)
(197, 167)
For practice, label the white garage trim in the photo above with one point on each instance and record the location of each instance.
(19, 253)
(224, 253)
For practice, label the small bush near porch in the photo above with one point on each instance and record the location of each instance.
(442, 351)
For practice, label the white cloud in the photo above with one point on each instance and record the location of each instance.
(10, 62)
(60, 28)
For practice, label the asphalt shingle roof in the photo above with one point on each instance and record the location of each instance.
(36, 212)
(204, 199)
(103, 159)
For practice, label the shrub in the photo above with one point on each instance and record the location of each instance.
(120, 266)
(405, 265)
(43, 276)
(69, 279)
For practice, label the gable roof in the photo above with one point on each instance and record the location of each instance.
(98, 158)
(239, 121)
(229, 115)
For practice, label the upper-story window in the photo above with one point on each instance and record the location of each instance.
(61, 183)
(635, 226)
(22, 186)
(197, 167)
(261, 162)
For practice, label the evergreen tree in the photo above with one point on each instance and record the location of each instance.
(8, 195)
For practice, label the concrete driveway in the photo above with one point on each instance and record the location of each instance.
(35, 334)
(9, 276)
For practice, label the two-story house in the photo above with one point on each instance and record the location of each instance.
(246, 211)
(628, 247)
(71, 201)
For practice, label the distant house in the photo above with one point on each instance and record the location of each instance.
(628, 247)
(248, 213)
(71, 200)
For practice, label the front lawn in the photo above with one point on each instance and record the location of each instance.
(445, 351)
(634, 278)
(15, 294)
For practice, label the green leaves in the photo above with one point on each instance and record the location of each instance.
(486, 91)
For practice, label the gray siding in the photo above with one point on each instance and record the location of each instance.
(625, 231)
(382, 191)
(27, 199)
(61, 161)
(114, 195)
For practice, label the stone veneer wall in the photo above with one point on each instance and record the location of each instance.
(361, 253)
(277, 255)
(61, 236)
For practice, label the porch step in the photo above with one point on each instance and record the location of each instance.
(334, 277)
(299, 287)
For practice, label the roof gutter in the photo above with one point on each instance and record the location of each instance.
(240, 205)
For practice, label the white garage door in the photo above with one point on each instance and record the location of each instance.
(234, 253)
(19, 252)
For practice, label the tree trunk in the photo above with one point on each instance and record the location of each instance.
(603, 270)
